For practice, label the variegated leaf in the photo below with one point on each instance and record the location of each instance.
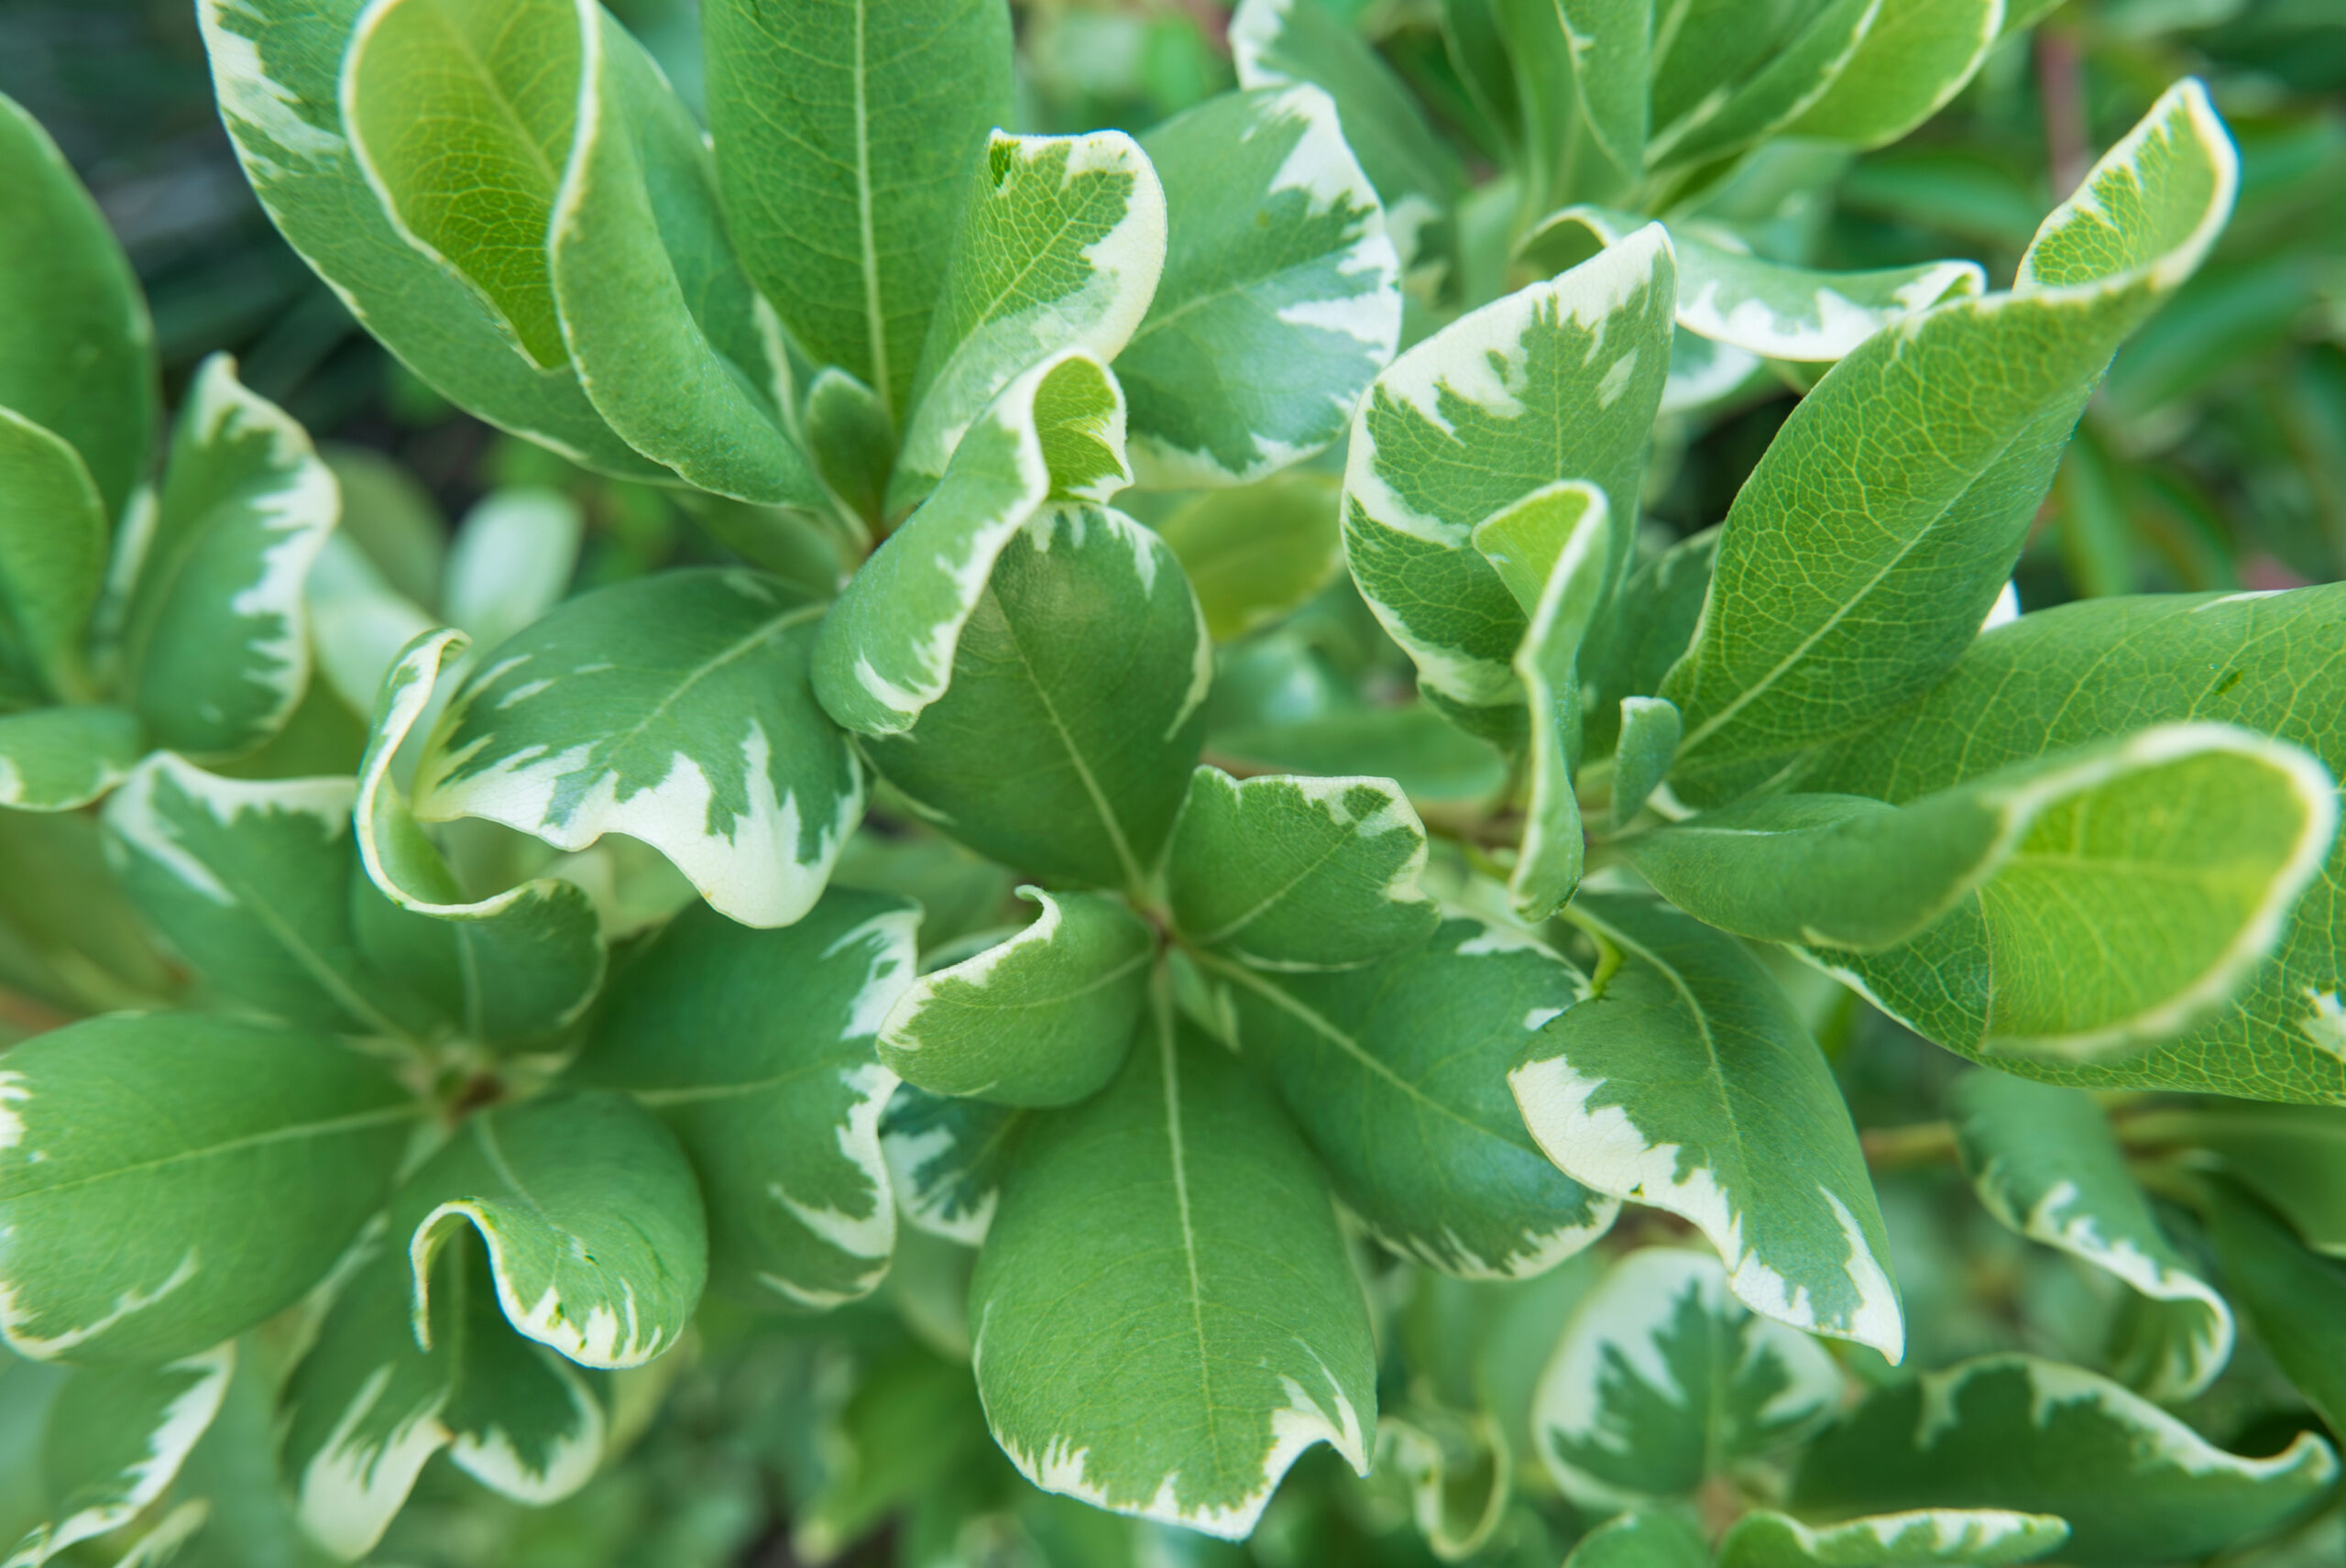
(1060, 246)
(597, 1246)
(885, 651)
(60, 759)
(1298, 873)
(674, 709)
(1661, 1380)
(215, 640)
(1041, 1019)
(1687, 1081)
(945, 1159)
(1281, 298)
(1396, 1074)
(1559, 380)
(756, 1048)
(165, 1134)
(2046, 1164)
(1958, 1538)
(54, 540)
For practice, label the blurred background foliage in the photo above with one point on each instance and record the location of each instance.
(2214, 457)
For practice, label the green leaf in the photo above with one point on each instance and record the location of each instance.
(1972, 1538)
(510, 969)
(2293, 1298)
(1559, 380)
(1862, 554)
(2292, 1156)
(1549, 550)
(60, 759)
(912, 1422)
(275, 65)
(1661, 1381)
(672, 343)
(1281, 298)
(252, 882)
(1688, 1082)
(596, 1243)
(1298, 873)
(369, 1405)
(1396, 1075)
(77, 350)
(511, 561)
(226, 1164)
(886, 649)
(852, 440)
(1915, 57)
(1078, 696)
(1611, 47)
(1042, 1018)
(216, 643)
(845, 133)
(756, 1048)
(114, 1440)
(1642, 758)
(2010, 1432)
(2089, 900)
(947, 1158)
(1727, 294)
(53, 544)
(674, 709)
(1257, 555)
(1756, 85)
(2085, 672)
(1059, 247)
(1278, 43)
(1641, 1540)
(358, 622)
(1165, 1317)
(1456, 1472)
(2046, 1164)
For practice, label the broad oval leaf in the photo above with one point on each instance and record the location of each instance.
(1257, 554)
(1688, 1082)
(53, 545)
(1163, 1315)
(60, 759)
(844, 136)
(674, 709)
(1042, 1018)
(1771, 308)
(2046, 1164)
(1559, 379)
(1859, 559)
(215, 640)
(1062, 747)
(1298, 873)
(886, 649)
(510, 968)
(1394, 1072)
(756, 1050)
(1059, 247)
(597, 1242)
(2010, 1431)
(1661, 1380)
(2087, 901)
(1916, 55)
(77, 350)
(251, 882)
(1281, 298)
(170, 1140)
(1960, 1537)
(275, 65)
(369, 1405)
(1641, 1540)
(113, 1441)
(2091, 672)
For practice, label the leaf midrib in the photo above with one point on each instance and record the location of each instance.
(233, 1145)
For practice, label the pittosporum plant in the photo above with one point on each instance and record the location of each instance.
(1296, 1103)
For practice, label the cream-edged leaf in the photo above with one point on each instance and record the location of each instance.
(756, 1050)
(60, 759)
(675, 709)
(1165, 1316)
(946, 1158)
(1396, 1074)
(114, 1440)
(1959, 1538)
(1687, 1081)
(165, 1134)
